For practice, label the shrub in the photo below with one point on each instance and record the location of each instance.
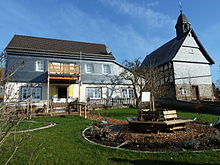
(215, 140)
(190, 143)
(101, 132)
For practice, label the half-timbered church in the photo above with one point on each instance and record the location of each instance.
(189, 61)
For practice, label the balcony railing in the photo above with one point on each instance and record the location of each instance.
(112, 101)
(62, 68)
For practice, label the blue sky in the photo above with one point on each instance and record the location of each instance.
(130, 28)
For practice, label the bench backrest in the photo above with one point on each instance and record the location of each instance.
(169, 115)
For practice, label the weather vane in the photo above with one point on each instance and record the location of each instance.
(180, 6)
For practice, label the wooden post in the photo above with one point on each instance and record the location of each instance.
(80, 112)
(141, 115)
(85, 112)
(48, 93)
(28, 108)
(31, 109)
(153, 103)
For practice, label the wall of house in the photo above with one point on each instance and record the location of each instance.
(28, 73)
(108, 91)
(192, 68)
(13, 90)
(190, 51)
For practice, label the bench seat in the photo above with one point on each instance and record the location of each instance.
(161, 120)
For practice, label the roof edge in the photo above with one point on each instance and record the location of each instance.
(207, 56)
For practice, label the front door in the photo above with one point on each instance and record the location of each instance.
(195, 92)
(62, 92)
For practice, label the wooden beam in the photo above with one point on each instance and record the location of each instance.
(63, 77)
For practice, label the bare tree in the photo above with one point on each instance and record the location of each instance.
(9, 117)
(151, 78)
(157, 81)
(133, 73)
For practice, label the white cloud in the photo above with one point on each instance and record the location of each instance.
(144, 12)
(124, 41)
(66, 21)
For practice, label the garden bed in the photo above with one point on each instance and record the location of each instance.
(114, 133)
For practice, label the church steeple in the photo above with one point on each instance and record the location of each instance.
(182, 25)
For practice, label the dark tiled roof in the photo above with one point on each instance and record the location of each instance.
(163, 54)
(38, 44)
(169, 50)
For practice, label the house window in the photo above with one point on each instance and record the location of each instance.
(106, 69)
(127, 93)
(31, 93)
(39, 65)
(182, 91)
(89, 68)
(94, 93)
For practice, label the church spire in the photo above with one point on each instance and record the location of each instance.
(182, 25)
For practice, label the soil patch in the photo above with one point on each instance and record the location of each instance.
(116, 133)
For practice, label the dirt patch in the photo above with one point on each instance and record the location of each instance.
(116, 133)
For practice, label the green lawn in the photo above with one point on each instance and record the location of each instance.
(63, 144)
(29, 125)
(25, 125)
(122, 114)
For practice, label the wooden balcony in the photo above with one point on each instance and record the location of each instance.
(63, 69)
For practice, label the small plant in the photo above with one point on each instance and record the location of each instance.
(215, 140)
(190, 143)
(102, 132)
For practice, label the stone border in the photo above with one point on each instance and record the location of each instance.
(35, 129)
(153, 152)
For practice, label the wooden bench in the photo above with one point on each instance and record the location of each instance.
(161, 120)
(168, 115)
(172, 121)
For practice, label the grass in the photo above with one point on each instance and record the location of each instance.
(122, 114)
(24, 125)
(63, 144)
(29, 125)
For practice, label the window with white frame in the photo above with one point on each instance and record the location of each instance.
(182, 91)
(89, 68)
(106, 69)
(94, 93)
(39, 65)
(33, 93)
(127, 93)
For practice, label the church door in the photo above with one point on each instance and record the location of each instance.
(195, 92)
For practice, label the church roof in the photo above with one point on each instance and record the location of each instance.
(164, 54)
(168, 51)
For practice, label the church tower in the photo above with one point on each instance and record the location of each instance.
(182, 25)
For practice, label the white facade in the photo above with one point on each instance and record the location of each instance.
(192, 72)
